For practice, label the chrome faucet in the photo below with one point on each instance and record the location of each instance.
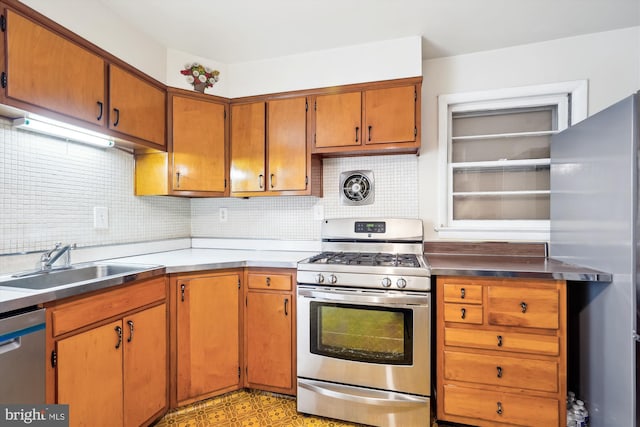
(48, 258)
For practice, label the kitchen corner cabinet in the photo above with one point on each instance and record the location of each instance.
(269, 153)
(501, 351)
(371, 121)
(196, 162)
(270, 330)
(44, 69)
(109, 355)
(205, 330)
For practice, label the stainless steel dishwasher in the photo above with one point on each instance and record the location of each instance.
(22, 357)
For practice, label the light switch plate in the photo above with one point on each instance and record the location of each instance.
(223, 214)
(100, 218)
(318, 212)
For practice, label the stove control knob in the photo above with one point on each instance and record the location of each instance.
(401, 283)
(319, 278)
(333, 279)
(386, 282)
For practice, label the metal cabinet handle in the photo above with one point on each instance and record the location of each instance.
(499, 410)
(464, 313)
(182, 288)
(370, 127)
(357, 132)
(286, 302)
(271, 180)
(499, 368)
(117, 114)
(261, 180)
(118, 330)
(130, 323)
(101, 105)
(268, 281)
(462, 293)
(523, 306)
(499, 340)
(178, 179)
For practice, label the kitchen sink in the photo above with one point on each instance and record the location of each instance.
(41, 280)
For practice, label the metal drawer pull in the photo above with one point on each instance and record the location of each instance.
(101, 105)
(462, 293)
(117, 114)
(118, 330)
(268, 281)
(499, 411)
(178, 179)
(261, 180)
(499, 340)
(523, 306)
(499, 368)
(464, 313)
(271, 180)
(182, 287)
(370, 127)
(130, 323)
(286, 302)
(357, 130)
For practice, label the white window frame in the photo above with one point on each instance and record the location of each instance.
(572, 95)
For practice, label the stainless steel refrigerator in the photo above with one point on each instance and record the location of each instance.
(594, 223)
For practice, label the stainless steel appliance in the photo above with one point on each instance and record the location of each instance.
(595, 222)
(364, 324)
(22, 357)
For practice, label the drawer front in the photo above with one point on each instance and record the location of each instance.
(503, 341)
(518, 372)
(73, 315)
(279, 282)
(500, 407)
(468, 294)
(463, 313)
(524, 307)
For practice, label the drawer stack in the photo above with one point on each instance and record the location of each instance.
(501, 351)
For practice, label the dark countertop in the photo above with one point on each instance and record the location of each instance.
(511, 266)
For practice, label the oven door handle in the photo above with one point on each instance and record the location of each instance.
(367, 397)
(365, 297)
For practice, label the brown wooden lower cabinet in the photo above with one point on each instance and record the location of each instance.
(501, 351)
(110, 353)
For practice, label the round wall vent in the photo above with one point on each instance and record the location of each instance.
(356, 188)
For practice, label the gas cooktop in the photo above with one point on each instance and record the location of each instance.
(366, 259)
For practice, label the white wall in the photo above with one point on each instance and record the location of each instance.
(610, 61)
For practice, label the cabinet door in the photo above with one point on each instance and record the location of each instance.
(390, 115)
(248, 147)
(89, 376)
(49, 71)
(145, 365)
(338, 120)
(268, 318)
(207, 335)
(198, 145)
(138, 108)
(287, 144)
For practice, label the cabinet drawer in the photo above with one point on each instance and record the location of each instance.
(279, 282)
(503, 341)
(468, 294)
(499, 370)
(500, 407)
(67, 317)
(525, 307)
(463, 313)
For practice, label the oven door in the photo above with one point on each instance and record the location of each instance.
(369, 338)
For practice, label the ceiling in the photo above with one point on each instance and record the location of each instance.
(233, 31)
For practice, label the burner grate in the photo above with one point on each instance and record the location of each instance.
(366, 259)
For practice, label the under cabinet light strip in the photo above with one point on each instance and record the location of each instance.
(64, 131)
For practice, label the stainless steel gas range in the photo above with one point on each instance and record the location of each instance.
(364, 324)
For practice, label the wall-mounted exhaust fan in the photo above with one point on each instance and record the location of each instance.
(356, 188)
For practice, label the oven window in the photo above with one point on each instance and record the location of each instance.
(362, 333)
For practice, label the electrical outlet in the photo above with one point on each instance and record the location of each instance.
(100, 218)
(318, 212)
(223, 214)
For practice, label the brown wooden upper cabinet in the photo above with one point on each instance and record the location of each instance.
(196, 162)
(44, 69)
(370, 121)
(137, 108)
(269, 153)
(51, 71)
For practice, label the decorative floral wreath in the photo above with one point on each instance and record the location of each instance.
(200, 77)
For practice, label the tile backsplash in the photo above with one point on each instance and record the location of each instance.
(293, 218)
(49, 187)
